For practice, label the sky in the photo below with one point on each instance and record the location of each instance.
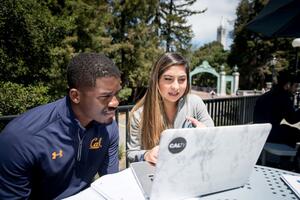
(205, 25)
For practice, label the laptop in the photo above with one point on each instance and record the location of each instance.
(193, 162)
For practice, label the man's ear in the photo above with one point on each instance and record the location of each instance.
(74, 95)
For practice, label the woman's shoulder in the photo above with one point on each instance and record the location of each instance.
(136, 113)
(193, 98)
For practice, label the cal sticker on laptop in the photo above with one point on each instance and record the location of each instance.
(199, 161)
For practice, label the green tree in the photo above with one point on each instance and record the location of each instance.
(143, 31)
(216, 56)
(252, 52)
(16, 98)
(135, 45)
(30, 40)
(38, 38)
(92, 25)
(171, 18)
(213, 53)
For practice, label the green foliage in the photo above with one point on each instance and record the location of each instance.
(135, 44)
(205, 80)
(125, 93)
(122, 151)
(214, 54)
(32, 50)
(16, 98)
(171, 18)
(252, 53)
(141, 30)
(38, 38)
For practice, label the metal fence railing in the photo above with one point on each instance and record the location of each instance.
(231, 111)
(224, 111)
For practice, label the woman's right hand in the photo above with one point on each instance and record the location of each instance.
(195, 122)
(151, 155)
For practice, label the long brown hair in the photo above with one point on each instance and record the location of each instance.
(152, 124)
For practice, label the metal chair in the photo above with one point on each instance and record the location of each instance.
(278, 150)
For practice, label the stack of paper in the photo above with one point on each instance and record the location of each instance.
(118, 186)
(293, 182)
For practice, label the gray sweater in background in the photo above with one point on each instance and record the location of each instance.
(189, 106)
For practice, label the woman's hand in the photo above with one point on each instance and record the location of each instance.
(195, 122)
(151, 155)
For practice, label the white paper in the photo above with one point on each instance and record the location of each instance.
(293, 182)
(87, 194)
(118, 186)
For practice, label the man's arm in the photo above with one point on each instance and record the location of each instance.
(15, 170)
(111, 163)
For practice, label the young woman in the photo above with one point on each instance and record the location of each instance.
(166, 104)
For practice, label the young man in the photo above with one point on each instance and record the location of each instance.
(276, 105)
(54, 151)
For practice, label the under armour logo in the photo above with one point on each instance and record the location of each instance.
(55, 154)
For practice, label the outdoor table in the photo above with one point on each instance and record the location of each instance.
(264, 183)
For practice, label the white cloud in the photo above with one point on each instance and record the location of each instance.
(205, 25)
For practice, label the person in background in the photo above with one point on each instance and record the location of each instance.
(276, 105)
(55, 150)
(166, 104)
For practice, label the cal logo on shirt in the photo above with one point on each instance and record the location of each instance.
(96, 143)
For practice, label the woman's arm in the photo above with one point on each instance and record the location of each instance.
(200, 112)
(134, 152)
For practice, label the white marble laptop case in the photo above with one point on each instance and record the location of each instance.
(198, 161)
(144, 175)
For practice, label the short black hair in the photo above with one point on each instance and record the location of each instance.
(286, 77)
(85, 68)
